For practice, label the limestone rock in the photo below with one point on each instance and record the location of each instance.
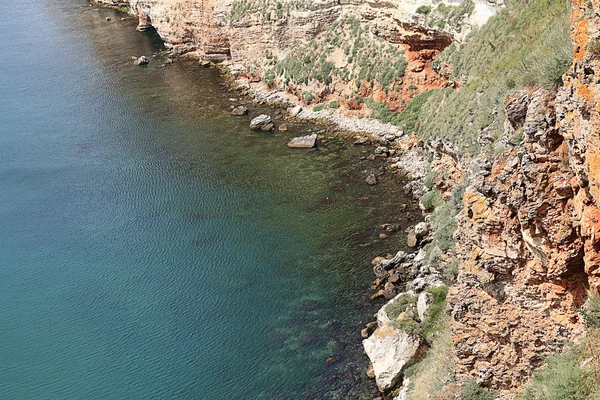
(391, 351)
(262, 123)
(303, 142)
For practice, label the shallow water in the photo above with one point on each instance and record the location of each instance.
(152, 245)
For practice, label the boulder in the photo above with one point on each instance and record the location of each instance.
(391, 351)
(143, 60)
(303, 142)
(421, 230)
(262, 123)
(240, 110)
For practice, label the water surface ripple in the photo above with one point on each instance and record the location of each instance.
(152, 246)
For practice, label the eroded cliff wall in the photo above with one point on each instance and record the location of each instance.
(528, 234)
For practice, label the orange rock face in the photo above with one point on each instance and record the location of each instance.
(528, 235)
(522, 277)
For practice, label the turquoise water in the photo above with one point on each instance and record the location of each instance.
(155, 248)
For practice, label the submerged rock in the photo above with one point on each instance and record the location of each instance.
(143, 60)
(303, 142)
(371, 180)
(391, 351)
(262, 123)
(240, 110)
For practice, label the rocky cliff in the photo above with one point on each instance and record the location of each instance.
(528, 235)
(527, 232)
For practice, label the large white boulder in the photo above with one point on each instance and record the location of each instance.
(391, 351)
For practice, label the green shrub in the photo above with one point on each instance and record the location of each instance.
(308, 97)
(561, 379)
(436, 310)
(269, 77)
(318, 107)
(424, 9)
(432, 199)
(472, 391)
(399, 306)
(591, 311)
(334, 104)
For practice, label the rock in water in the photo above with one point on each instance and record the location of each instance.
(262, 123)
(371, 180)
(391, 351)
(303, 142)
(143, 60)
(239, 110)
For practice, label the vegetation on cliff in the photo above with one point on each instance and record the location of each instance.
(575, 373)
(527, 44)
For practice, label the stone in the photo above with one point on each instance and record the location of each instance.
(421, 230)
(240, 110)
(391, 351)
(262, 123)
(303, 142)
(382, 151)
(361, 140)
(295, 111)
(423, 303)
(143, 60)
(283, 128)
(204, 63)
(108, 18)
(371, 180)
(411, 238)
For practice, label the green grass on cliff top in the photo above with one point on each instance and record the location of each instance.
(527, 44)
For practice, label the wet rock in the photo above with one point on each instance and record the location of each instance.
(240, 110)
(143, 60)
(411, 238)
(371, 180)
(391, 351)
(303, 142)
(262, 123)
(382, 151)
